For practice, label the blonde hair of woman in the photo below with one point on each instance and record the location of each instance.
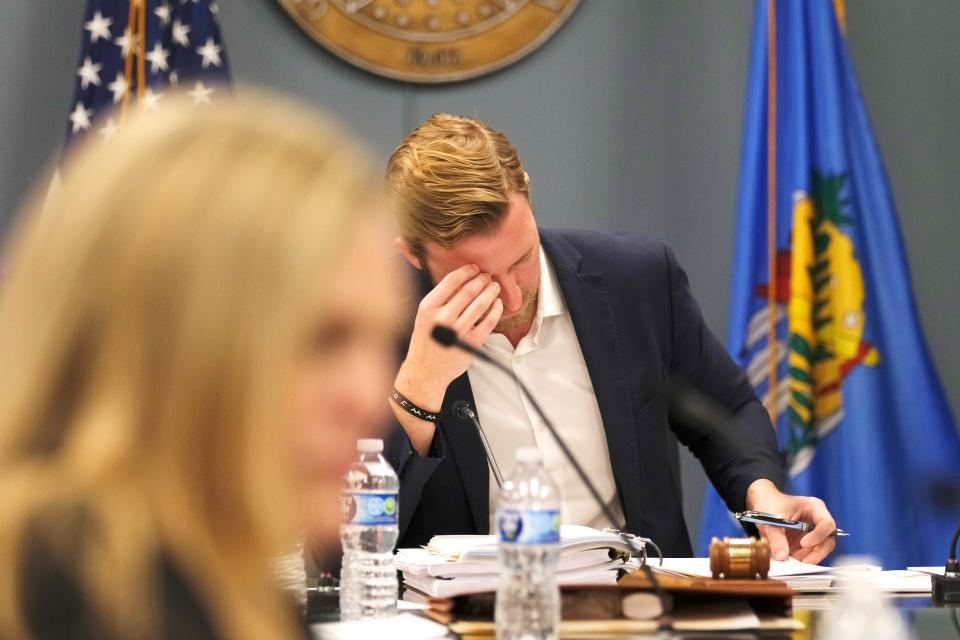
(151, 321)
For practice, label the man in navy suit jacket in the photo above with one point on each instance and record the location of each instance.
(627, 322)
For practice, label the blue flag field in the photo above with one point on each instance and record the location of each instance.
(822, 310)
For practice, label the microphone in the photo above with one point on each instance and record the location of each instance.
(448, 338)
(463, 411)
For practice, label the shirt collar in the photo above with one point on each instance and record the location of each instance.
(550, 301)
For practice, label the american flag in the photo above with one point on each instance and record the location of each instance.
(134, 51)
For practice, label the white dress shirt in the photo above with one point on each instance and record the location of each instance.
(549, 361)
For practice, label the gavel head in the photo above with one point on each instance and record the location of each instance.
(739, 558)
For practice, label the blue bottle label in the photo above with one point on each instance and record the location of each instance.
(528, 527)
(368, 507)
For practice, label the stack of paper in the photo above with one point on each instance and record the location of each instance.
(812, 578)
(573, 538)
(890, 582)
(457, 565)
(798, 575)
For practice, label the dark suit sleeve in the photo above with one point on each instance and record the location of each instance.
(413, 469)
(732, 460)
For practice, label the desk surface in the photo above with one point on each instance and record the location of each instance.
(926, 621)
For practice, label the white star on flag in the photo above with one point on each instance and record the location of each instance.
(99, 27)
(150, 100)
(215, 8)
(109, 128)
(163, 12)
(210, 52)
(179, 47)
(201, 93)
(80, 118)
(118, 87)
(89, 73)
(125, 42)
(157, 57)
(180, 33)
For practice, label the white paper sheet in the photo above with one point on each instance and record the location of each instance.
(405, 626)
(701, 567)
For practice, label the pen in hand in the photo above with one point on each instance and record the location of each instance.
(770, 520)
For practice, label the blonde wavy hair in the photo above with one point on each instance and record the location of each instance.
(151, 315)
(450, 178)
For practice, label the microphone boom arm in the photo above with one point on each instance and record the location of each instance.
(463, 410)
(447, 337)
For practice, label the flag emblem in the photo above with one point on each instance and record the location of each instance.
(825, 317)
(820, 285)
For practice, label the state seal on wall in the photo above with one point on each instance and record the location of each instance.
(430, 41)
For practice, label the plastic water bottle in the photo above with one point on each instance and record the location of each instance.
(862, 611)
(291, 575)
(528, 524)
(368, 534)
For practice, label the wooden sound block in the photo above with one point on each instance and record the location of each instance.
(672, 583)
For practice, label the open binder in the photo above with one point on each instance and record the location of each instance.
(693, 604)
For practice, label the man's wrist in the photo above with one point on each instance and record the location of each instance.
(413, 409)
(759, 492)
(423, 393)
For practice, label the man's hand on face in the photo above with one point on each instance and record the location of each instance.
(810, 547)
(464, 300)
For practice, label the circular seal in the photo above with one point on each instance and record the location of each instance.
(430, 40)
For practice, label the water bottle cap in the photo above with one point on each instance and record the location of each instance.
(370, 445)
(529, 454)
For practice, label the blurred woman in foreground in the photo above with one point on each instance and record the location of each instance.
(192, 342)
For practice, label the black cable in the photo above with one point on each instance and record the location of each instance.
(952, 568)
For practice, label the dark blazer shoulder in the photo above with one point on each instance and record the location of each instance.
(609, 249)
(630, 262)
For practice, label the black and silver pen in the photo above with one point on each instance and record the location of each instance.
(759, 517)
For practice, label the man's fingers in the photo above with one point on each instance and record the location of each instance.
(815, 554)
(476, 309)
(486, 326)
(449, 285)
(777, 539)
(455, 306)
(801, 554)
(824, 527)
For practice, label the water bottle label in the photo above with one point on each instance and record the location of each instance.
(368, 507)
(529, 527)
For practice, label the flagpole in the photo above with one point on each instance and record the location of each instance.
(132, 26)
(773, 350)
(142, 51)
(840, 8)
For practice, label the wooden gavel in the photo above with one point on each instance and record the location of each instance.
(739, 558)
